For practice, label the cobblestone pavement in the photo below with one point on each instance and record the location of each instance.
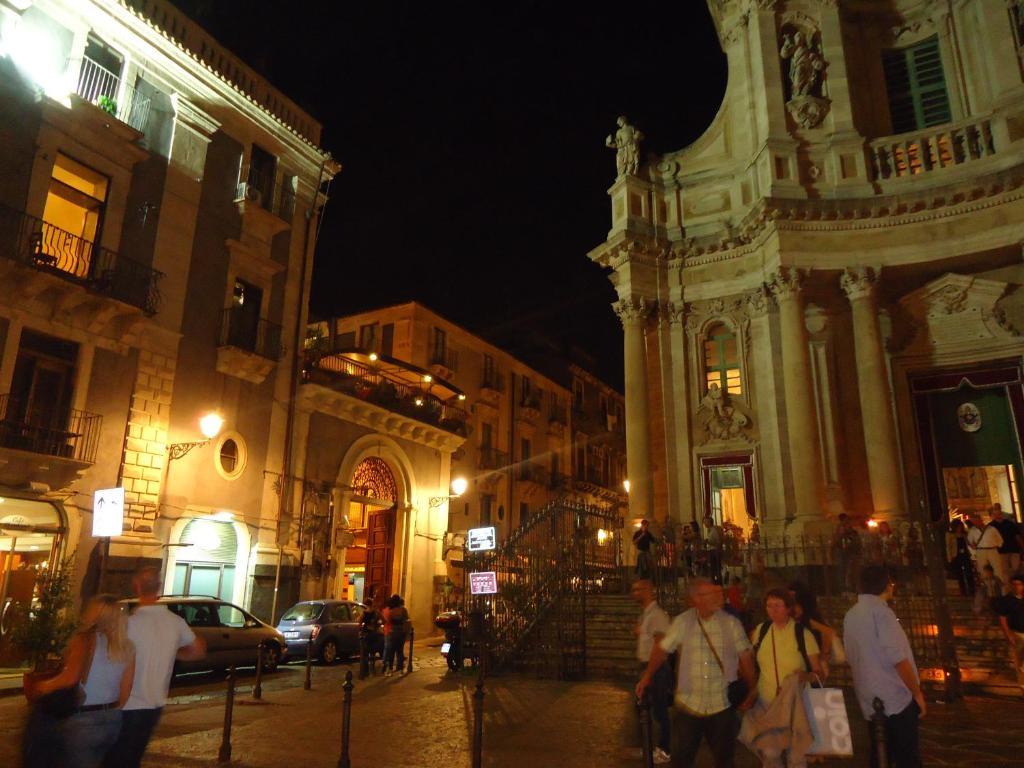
(423, 721)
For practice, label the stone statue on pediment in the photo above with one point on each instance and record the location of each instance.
(722, 419)
(626, 143)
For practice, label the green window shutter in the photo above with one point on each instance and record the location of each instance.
(916, 83)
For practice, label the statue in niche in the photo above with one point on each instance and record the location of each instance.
(626, 143)
(806, 64)
(722, 420)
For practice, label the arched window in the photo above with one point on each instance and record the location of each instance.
(721, 360)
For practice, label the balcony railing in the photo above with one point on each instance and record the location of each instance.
(492, 458)
(492, 380)
(358, 381)
(446, 358)
(945, 146)
(42, 246)
(533, 473)
(75, 436)
(261, 337)
(101, 87)
(559, 482)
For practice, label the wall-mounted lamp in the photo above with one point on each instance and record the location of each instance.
(625, 484)
(209, 425)
(458, 487)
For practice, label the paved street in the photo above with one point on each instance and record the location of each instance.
(423, 721)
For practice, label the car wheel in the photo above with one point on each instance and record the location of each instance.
(271, 657)
(329, 652)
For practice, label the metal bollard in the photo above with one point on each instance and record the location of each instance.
(346, 721)
(478, 720)
(881, 753)
(257, 689)
(224, 755)
(309, 666)
(364, 660)
(643, 705)
(412, 638)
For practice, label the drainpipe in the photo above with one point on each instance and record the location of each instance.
(284, 506)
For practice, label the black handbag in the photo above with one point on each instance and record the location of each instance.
(64, 702)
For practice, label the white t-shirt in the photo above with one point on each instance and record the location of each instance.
(157, 634)
(653, 621)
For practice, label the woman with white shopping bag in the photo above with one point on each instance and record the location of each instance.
(806, 612)
(777, 728)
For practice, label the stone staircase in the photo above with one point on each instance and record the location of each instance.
(981, 649)
(611, 643)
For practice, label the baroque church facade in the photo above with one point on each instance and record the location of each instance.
(822, 295)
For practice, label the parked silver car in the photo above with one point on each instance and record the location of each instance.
(329, 627)
(232, 635)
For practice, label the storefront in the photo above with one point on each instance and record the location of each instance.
(32, 535)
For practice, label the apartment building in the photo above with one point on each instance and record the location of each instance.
(158, 201)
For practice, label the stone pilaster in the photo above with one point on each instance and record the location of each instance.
(633, 312)
(801, 418)
(676, 386)
(875, 394)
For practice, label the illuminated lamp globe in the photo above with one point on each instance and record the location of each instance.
(625, 485)
(210, 425)
(459, 486)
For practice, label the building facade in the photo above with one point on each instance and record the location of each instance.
(158, 203)
(821, 294)
(407, 395)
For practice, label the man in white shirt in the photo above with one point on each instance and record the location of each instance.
(713, 652)
(650, 629)
(987, 549)
(159, 637)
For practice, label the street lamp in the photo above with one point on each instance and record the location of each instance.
(625, 484)
(209, 425)
(458, 487)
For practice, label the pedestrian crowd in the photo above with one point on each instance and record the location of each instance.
(713, 675)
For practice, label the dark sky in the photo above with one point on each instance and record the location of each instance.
(472, 140)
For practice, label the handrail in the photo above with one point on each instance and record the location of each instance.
(71, 434)
(930, 149)
(256, 335)
(101, 87)
(45, 247)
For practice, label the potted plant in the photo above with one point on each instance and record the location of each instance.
(44, 628)
(107, 104)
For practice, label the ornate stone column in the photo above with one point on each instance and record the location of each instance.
(801, 417)
(875, 393)
(633, 314)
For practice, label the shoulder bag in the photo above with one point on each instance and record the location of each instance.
(736, 692)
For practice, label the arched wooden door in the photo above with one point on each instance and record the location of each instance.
(374, 481)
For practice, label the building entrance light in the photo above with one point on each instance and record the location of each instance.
(209, 425)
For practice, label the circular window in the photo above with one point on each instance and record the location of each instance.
(230, 456)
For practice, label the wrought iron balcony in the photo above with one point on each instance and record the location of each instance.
(101, 87)
(492, 380)
(492, 458)
(558, 414)
(260, 337)
(74, 435)
(356, 380)
(445, 358)
(534, 473)
(44, 247)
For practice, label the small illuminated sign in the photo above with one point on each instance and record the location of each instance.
(108, 512)
(483, 583)
(480, 539)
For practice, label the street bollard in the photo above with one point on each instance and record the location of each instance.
(364, 660)
(309, 666)
(224, 755)
(346, 721)
(412, 638)
(257, 689)
(881, 753)
(643, 705)
(478, 720)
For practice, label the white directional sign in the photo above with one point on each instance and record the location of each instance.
(108, 512)
(480, 539)
(483, 583)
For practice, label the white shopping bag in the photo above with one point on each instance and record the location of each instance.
(826, 713)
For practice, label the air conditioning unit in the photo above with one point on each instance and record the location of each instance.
(246, 191)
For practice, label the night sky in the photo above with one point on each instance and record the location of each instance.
(472, 139)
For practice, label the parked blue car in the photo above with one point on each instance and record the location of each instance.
(329, 627)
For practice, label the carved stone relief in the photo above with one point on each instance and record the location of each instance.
(723, 418)
(804, 67)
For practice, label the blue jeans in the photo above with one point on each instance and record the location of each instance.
(137, 725)
(394, 644)
(88, 736)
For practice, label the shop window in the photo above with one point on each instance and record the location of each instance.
(916, 85)
(721, 360)
(72, 217)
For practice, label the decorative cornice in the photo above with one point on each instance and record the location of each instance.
(189, 114)
(859, 283)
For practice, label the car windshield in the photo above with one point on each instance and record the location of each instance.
(303, 612)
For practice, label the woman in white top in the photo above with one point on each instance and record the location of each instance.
(101, 659)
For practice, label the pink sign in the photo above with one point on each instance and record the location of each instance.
(483, 583)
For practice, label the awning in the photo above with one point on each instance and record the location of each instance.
(401, 372)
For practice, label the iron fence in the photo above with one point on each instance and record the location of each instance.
(38, 244)
(68, 434)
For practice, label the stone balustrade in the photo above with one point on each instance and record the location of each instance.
(933, 149)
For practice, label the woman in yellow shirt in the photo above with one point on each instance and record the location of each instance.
(780, 650)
